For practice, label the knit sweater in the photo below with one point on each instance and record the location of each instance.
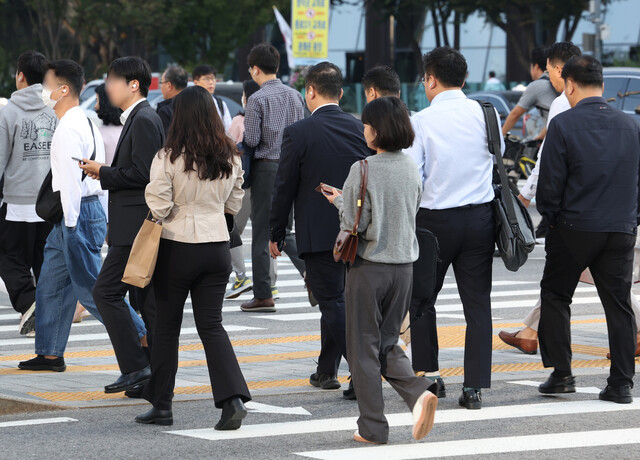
(387, 229)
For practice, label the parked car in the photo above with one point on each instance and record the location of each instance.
(622, 89)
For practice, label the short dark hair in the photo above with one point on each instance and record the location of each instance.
(584, 70)
(326, 78)
(202, 70)
(264, 56)
(561, 52)
(109, 114)
(249, 87)
(539, 56)
(384, 79)
(492, 74)
(132, 68)
(70, 73)
(447, 65)
(389, 117)
(33, 65)
(178, 77)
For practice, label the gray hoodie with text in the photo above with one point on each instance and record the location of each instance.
(26, 130)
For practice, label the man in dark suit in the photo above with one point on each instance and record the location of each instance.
(142, 136)
(589, 191)
(318, 149)
(174, 80)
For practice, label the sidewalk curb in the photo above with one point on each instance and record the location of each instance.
(16, 405)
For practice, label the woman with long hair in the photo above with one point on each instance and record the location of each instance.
(195, 180)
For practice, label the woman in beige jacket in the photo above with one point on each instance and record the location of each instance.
(195, 180)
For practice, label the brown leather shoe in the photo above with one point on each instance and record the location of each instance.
(637, 351)
(260, 305)
(526, 346)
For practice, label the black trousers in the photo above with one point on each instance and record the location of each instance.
(202, 270)
(467, 241)
(326, 279)
(609, 257)
(21, 251)
(108, 294)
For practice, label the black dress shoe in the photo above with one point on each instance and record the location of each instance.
(233, 411)
(129, 381)
(40, 363)
(324, 381)
(157, 416)
(350, 393)
(442, 391)
(620, 395)
(471, 399)
(135, 392)
(557, 385)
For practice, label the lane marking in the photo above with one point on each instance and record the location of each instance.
(486, 446)
(269, 409)
(586, 390)
(405, 419)
(37, 421)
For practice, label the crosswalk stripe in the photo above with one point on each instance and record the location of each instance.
(486, 446)
(405, 419)
(38, 421)
(515, 304)
(291, 317)
(105, 336)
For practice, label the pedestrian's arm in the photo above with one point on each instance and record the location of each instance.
(553, 174)
(512, 118)
(159, 192)
(347, 203)
(252, 123)
(67, 177)
(417, 149)
(234, 202)
(638, 210)
(286, 185)
(146, 142)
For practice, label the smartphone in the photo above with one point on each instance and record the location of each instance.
(79, 160)
(327, 189)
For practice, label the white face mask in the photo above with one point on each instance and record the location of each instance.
(46, 97)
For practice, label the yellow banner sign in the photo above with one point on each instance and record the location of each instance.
(310, 27)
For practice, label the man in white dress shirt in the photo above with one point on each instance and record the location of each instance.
(526, 340)
(72, 252)
(451, 151)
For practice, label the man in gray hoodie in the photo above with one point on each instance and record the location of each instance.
(26, 130)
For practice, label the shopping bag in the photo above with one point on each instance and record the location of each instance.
(144, 253)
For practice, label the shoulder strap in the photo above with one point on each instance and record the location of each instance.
(93, 155)
(220, 106)
(493, 136)
(364, 171)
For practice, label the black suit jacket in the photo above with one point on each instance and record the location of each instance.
(317, 149)
(141, 138)
(165, 112)
(590, 169)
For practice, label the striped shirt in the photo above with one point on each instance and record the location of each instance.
(269, 111)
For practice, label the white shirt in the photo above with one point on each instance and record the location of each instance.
(226, 116)
(451, 151)
(73, 138)
(22, 213)
(323, 105)
(126, 113)
(559, 105)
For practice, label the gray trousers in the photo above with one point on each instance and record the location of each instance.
(377, 300)
(263, 177)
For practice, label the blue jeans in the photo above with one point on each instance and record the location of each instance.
(72, 260)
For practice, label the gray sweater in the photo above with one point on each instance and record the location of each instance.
(26, 130)
(387, 227)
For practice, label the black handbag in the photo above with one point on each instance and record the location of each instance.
(48, 204)
(515, 234)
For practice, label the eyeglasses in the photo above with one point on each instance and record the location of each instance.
(207, 78)
(163, 82)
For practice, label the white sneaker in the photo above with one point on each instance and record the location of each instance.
(28, 321)
(424, 413)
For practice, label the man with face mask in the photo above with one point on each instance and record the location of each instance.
(72, 253)
(26, 130)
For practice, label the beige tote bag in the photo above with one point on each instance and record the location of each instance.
(144, 253)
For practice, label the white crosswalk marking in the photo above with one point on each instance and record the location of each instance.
(39, 421)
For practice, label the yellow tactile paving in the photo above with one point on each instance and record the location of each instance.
(265, 384)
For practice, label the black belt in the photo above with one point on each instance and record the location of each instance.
(467, 206)
(266, 159)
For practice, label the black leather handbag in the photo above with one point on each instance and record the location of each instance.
(48, 204)
(515, 233)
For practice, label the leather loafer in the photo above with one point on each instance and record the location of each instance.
(620, 395)
(135, 392)
(324, 381)
(556, 385)
(259, 305)
(129, 381)
(471, 399)
(157, 416)
(526, 346)
(233, 412)
(350, 393)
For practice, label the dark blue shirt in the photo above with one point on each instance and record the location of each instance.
(590, 169)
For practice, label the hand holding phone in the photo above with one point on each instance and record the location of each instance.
(79, 160)
(327, 190)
